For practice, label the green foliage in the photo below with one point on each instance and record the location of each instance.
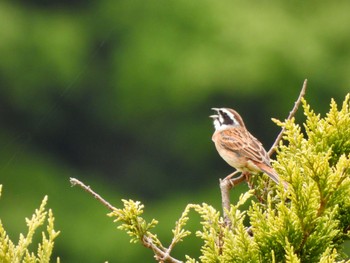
(317, 167)
(11, 253)
(307, 222)
(133, 224)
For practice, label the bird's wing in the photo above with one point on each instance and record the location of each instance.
(244, 144)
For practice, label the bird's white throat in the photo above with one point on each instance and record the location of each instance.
(218, 126)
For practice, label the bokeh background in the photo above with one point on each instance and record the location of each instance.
(118, 94)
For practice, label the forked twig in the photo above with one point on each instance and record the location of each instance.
(291, 114)
(160, 255)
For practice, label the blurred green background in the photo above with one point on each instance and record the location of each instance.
(118, 94)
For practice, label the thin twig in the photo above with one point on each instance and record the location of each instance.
(160, 255)
(291, 114)
(75, 182)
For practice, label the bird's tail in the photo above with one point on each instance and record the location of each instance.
(274, 175)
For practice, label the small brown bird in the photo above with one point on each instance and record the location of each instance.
(237, 146)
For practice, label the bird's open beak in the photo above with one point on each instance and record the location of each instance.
(214, 116)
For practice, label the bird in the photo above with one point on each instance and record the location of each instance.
(237, 146)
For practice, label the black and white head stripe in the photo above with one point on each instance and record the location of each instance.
(225, 117)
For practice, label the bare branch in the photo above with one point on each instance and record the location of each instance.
(75, 182)
(225, 186)
(291, 114)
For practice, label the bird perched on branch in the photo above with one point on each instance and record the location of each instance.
(237, 146)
